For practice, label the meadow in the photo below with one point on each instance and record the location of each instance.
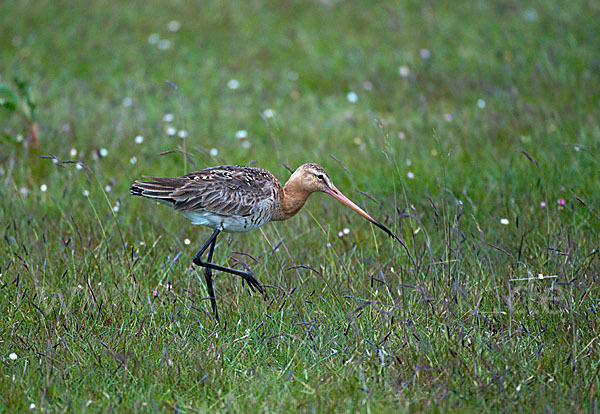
(470, 128)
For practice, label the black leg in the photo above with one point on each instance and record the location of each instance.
(206, 244)
(247, 276)
(208, 277)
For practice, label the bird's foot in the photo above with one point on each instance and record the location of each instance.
(253, 283)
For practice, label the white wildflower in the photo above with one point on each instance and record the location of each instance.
(164, 44)
(233, 84)
(153, 38)
(174, 25)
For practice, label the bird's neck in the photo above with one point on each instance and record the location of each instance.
(293, 198)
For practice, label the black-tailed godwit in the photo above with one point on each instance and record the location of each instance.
(234, 199)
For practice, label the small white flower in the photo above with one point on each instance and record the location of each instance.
(19, 137)
(576, 147)
(73, 152)
(401, 135)
(32, 406)
(410, 175)
(408, 162)
(86, 193)
(103, 152)
(139, 139)
(182, 134)
(115, 209)
(13, 356)
(404, 71)
(214, 152)
(108, 188)
(127, 102)
(24, 191)
(168, 118)
(174, 25)
(43, 187)
(269, 113)
(480, 103)
(233, 84)
(241, 134)
(340, 234)
(346, 230)
(425, 54)
(292, 75)
(352, 97)
(504, 221)
(164, 44)
(448, 117)
(186, 241)
(171, 131)
(153, 38)
(245, 144)
(79, 166)
(530, 15)
(132, 160)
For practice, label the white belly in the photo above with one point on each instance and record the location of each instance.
(231, 224)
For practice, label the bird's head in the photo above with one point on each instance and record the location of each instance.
(313, 178)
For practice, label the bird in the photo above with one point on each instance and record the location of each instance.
(237, 199)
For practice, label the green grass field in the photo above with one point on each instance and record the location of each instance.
(470, 128)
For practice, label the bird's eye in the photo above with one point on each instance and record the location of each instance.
(320, 177)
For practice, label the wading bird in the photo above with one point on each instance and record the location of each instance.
(236, 199)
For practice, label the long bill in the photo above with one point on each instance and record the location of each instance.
(337, 194)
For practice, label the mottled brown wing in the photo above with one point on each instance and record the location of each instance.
(225, 190)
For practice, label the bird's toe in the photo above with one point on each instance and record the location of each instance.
(254, 284)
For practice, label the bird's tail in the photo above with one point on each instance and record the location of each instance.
(160, 189)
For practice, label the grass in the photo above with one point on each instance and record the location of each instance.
(502, 116)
